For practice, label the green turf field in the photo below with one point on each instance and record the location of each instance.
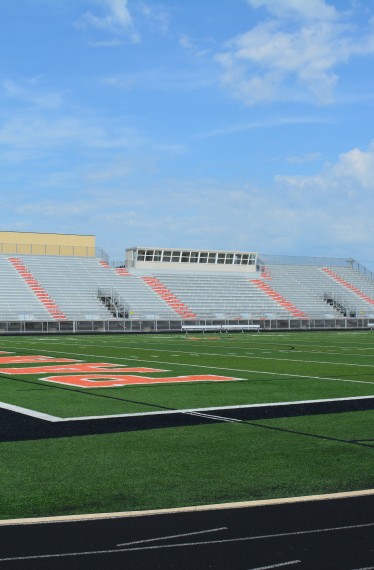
(197, 464)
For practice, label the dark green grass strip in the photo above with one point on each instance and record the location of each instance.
(214, 463)
(258, 425)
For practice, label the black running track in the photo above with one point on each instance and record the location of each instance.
(321, 535)
(16, 426)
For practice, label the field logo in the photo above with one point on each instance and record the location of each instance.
(98, 381)
(96, 374)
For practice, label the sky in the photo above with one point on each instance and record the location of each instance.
(207, 124)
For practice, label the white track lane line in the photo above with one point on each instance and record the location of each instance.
(173, 536)
(281, 565)
(184, 544)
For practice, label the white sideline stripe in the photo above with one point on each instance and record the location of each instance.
(197, 411)
(217, 409)
(172, 536)
(186, 544)
(27, 412)
(193, 509)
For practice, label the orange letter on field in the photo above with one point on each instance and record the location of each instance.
(110, 381)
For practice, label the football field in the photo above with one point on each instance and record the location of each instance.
(110, 423)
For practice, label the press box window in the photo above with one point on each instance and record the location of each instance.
(176, 256)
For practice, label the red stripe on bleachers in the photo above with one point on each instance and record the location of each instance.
(119, 270)
(162, 291)
(122, 271)
(37, 289)
(348, 285)
(278, 298)
(265, 272)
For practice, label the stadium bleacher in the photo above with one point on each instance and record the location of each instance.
(89, 289)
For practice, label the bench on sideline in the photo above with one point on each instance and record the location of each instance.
(220, 328)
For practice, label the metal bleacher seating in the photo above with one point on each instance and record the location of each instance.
(309, 287)
(217, 296)
(17, 301)
(74, 284)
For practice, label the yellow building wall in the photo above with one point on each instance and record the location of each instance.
(32, 243)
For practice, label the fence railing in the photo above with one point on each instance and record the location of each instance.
(362, 269)
(158, 326)
(305, 260)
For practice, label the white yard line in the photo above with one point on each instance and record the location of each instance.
(247, 371)
(255, 357)
(262, 350)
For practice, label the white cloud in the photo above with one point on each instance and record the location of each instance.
(157, 18)
(328, 213)
(265, 124)
(335, 205)
(305, 9)
(26, 136)
(107, 43)
(356, 167)
(116, 19)
(352, 175)
(186, 42)
(193, 47)
(279, 59)
(162, 79)
(302, 159)
(29, 91)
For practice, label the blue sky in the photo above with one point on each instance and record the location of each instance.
(230, 124)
